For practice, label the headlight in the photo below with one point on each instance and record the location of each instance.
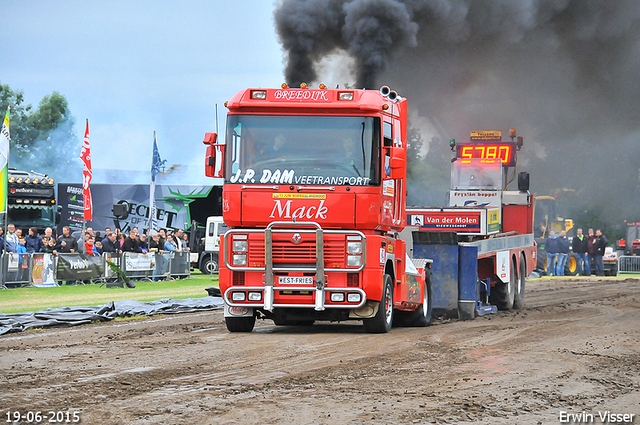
(354, 247)
(255, 296)
(354, 298)
(238, 296)
(239, 259)
(354, 261)
(240, 246)
(337, 297)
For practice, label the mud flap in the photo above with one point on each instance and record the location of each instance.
(237, 311)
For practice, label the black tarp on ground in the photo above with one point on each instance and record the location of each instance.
(71, 316)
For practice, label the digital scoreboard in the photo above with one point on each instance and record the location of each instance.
(503, 151)
(488, 145)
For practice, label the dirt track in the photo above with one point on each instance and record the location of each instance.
(573, 348)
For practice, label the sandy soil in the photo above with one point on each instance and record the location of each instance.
(573, 348)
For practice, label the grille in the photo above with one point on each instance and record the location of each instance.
(352, 280)
(238, 278)
(305, 251)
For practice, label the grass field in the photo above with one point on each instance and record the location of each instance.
(17, 300)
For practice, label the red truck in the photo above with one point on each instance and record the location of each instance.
(314, 195)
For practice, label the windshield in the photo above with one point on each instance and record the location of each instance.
(476, 174)
(303, 150)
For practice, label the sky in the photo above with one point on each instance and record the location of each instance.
(135, 67)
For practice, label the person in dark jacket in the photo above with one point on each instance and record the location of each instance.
(66, 242)
(580, 247)
(131, 243)
(109, 243)
(552, 247)
(599, 245)
(563, 253)
(34, 241)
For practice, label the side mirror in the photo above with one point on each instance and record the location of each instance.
(211, 156)
(397, 162)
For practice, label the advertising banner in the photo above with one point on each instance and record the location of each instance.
(175, 205)
(43, 270)
(78, 267)
(475, 198)
(138, 262)
(452, 221)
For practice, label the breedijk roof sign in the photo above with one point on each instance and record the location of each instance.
(301, 94)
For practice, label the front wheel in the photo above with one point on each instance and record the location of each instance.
(240, 324)
(210, 265)
(381, 322)
(571, 268)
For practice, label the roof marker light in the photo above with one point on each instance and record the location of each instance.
(259, 94)
(322, 86)
(284, 86)
(346, 95)
(303, 85)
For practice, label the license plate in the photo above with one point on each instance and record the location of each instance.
(295, 280)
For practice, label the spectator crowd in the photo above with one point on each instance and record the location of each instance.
(92, 243)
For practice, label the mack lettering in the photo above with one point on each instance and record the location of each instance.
(304, 212)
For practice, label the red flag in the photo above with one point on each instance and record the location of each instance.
(85, 156)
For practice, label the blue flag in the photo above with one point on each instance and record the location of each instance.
(156, 164)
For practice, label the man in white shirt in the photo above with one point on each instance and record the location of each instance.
(11, 241)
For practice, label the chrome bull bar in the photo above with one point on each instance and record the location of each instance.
(272, 289)
(269, 269)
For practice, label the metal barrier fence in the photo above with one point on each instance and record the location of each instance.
(46, 269)
(628, 264)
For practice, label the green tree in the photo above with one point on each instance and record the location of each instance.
(42, 139)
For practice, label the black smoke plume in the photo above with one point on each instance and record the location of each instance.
(370, 31)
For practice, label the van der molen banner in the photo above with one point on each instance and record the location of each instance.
(172, 202)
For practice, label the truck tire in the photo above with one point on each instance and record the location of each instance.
(571, 268)
(209, 265)
(503, 294)
(382, 321)
(518, 301)
(421, 316)
(240, 324)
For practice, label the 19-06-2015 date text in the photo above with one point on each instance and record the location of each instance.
(43, 416)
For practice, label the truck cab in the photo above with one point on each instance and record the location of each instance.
(314, 195)
(31, 200)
